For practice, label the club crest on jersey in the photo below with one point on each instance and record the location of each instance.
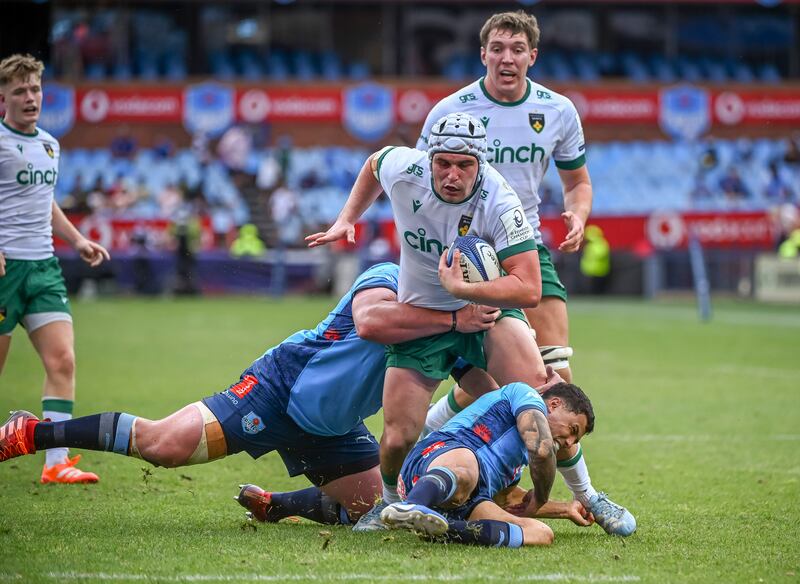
(463, 224)
(2, 313)
(252, 424)
(537, 122)
(49, 150)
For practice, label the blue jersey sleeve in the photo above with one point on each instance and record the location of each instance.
(384, 275)
(523, 397)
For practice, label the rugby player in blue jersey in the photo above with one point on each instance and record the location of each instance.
(450, 480)
(306, 398)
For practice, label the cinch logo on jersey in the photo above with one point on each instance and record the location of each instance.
(502, 154)
(34, 176)
(419, 242)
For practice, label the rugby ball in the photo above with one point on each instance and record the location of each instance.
(479, 261)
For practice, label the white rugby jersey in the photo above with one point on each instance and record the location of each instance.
(427, 224)
(523, 136)
(28, 174)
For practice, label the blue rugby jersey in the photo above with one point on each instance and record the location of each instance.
(328, 378)
(489, 428)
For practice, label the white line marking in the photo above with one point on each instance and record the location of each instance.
(634, 438)
(111, 576)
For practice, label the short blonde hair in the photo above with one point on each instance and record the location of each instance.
(516, 22)
(19, 67)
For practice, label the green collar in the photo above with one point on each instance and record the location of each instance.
(10, 129)
(506, 103)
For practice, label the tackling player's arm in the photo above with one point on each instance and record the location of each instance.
(577, 206)
(2, 264)
(380, 318)
(365, 191)
(90, 252)
(535, 433)
(515, 499)
(521, 287)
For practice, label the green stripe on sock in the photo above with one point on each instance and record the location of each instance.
(51, 404)
(389, 481)
(451, 401)
(571, 461)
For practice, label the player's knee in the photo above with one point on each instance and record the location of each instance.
(159, 443)
(397, 439)
(60, 363)
(537, 533)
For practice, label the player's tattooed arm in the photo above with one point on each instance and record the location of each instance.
(535, 433)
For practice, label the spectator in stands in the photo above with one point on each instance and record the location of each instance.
(170, 200)
(709, 158)
(123, 145)
(164, 148)
(284, 207)
(120, 196)
(700, 194)
(733, 187)
(75, 201)
(777, 191)
(248, 243)
(792, 151)
(96, 198)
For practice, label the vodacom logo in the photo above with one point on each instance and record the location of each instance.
(254, 106)
(95, 105)
(665, 229)
(729, 108)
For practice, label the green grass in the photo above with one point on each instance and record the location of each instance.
(698, 428)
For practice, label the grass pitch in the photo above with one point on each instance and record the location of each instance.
(698, 428)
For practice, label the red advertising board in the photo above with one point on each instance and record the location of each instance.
(129, 104)
(117, 234)
(662, 230)
(602, 104)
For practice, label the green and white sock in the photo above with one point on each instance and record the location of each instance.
(58, 410)
(441, 412)
(576, 475)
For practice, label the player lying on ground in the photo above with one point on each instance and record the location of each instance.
(454, 474)
(305, 398)
(461, 477)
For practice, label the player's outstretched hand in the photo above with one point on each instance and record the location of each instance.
(451, 277)
(579, 515)
(474, 318)
(339, 230)
(92, 253)
(572, 242)
(2, 265)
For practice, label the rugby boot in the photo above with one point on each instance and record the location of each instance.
(66, 473)
(16, 435)
(371, 520)
(417, 518)
(614, 519)
(256, 500)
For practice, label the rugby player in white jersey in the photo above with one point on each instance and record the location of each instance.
(32, 290)
(527, 125)
(434, 195)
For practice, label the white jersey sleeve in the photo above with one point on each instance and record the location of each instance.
(569, 152)
(507, 227)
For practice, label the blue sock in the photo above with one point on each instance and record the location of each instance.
(110, 431)
(435, 487)
(310, 503)
(487, 532)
